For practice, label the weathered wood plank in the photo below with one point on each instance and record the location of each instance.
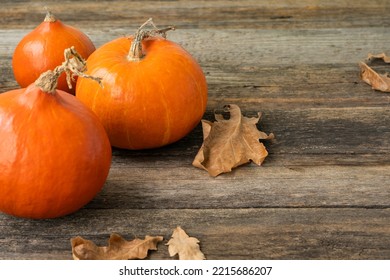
(251, 49)
(130, 187)
(322, 132)
(224, 234)
(205, 14)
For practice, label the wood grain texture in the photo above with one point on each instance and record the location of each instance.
(348, 233)
(324, 190)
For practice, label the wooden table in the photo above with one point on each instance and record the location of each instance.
(324, 190)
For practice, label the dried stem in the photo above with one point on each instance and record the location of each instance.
(74, 65)
(136, 53)
(49, 16)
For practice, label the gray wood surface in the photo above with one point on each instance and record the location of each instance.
(324, 190)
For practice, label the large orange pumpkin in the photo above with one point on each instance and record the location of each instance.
(43, 49)
(153, 94)
(54, 153)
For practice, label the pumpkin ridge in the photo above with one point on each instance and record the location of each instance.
(167, 132)
(198, 87)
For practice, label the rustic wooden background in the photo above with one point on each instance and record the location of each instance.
(324, 190)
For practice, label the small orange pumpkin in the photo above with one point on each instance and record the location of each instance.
(42, 49)
(153, 94)
(54, 153)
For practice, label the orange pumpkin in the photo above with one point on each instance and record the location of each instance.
(54, 153)
(153, 94)
(43, 49)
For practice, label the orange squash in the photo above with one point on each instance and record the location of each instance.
(54, 153)
(153, 94)
(42, 49)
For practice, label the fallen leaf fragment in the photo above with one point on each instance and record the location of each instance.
(118, 248)
(381, 56)
(186, 247)
(377, 81)
(230, 143)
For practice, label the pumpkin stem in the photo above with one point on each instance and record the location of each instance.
(49, 16)
(136, 53)
(74, 65)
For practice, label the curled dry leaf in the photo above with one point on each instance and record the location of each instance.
(117, 249)
(377, 81)
(186, 247)
(230, 143)
(381, 56)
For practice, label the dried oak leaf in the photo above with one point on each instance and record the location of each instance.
(230, 143)
(117, 249)
(377, 81)
(186, 247)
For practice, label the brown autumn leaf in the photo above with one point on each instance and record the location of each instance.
(186, 247)
(381, 56)
(230, 143)
(117, 249)
(377, 81)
